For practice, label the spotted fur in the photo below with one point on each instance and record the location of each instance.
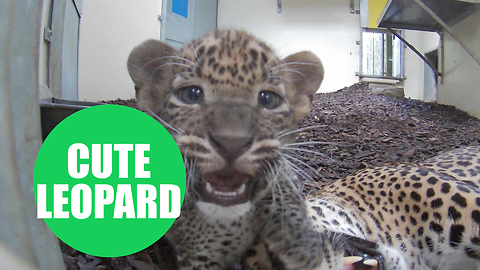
(231, 104)
(424, 216)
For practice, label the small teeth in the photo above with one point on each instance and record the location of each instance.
(239, 191)
(354, 259)
(371, 262)
(209, 188)
(221, 193)
(351, 260)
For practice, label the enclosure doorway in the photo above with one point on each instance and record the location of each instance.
(63, 37)
(184, 20)
(382, 54)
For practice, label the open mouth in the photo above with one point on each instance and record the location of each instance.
(226, 187)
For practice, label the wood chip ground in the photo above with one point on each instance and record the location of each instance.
(353, 129)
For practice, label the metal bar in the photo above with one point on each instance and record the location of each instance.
(56, 47)
(279, 6)
(389, 55)
(78, 7)
(402, 61)
(381, 77)
(361, 52)
(383, 55)
(442, 55)
(471, 1)
(449, 30)
(373, 57)
(415, 51)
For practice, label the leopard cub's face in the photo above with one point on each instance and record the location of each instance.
(226, 99)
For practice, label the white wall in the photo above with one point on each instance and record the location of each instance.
(414, 65)
(324, 27)
(461, 86)
(109, 30)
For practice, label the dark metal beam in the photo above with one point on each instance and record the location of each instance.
(449, 30)
(434, 68)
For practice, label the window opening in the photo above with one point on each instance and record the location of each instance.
(381, 54)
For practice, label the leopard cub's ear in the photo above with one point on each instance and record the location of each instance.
(148, 68)
(144, 60)
(304, 74)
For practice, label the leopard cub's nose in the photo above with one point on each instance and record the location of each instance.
(231, 147)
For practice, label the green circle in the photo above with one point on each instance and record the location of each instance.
(160, 170)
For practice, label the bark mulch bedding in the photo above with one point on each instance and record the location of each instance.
(354, 129)
(367, 129)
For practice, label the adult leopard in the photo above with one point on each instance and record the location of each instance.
(423, 216)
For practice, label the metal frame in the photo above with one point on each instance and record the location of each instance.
(429, 15)
(411, 47)
(360, 73)
(382, 77)
(441, 54)
(471, 1)
(449, 30)
(56, 47)
(56, 80)
(407, 14)
(162, 18)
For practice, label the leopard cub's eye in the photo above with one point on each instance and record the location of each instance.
(269, 100)
(190, 94)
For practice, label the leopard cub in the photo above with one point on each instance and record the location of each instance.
(231, 104)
